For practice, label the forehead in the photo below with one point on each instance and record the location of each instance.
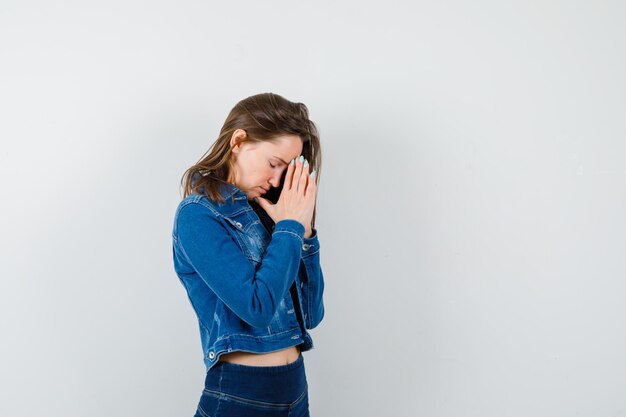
(286, 146)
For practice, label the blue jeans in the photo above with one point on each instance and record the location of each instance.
(235, 390)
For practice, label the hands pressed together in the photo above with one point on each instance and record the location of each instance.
(297, 198)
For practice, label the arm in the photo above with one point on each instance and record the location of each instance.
(218, 260)
(312, 282)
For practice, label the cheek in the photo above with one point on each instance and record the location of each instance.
(262, 173)
(253, 170)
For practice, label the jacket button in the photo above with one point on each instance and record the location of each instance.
(238, 224)
(211, 355)
(306, 246)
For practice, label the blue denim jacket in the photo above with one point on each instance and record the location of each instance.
(251, 290)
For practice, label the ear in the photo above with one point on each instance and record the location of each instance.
(235, 140)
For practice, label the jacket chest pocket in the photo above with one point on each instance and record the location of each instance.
(249, 233)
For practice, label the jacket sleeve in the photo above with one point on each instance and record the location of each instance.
(252, 295)
(312, 282)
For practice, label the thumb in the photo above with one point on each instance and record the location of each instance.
(264, 203)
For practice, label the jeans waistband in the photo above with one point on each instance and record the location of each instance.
(279, 384)
(235, 367)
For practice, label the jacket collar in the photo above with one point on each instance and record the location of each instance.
(227, 189)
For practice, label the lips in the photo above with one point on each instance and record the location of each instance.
(264, 190)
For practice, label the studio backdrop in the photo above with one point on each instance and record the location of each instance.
(470, 208)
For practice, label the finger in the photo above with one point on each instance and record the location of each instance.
(291, 167)
(297, 174)
(304, 176)
(264, 203)
(311, 186)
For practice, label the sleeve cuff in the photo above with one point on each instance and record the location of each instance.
(290, 225)
(311, 244)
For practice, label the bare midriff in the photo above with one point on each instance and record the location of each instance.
(277, 358)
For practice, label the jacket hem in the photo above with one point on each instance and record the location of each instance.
(250, 344)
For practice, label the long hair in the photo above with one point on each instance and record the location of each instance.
(264, 117)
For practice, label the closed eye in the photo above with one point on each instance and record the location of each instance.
(273, 166)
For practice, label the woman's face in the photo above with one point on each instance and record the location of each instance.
(258, 166)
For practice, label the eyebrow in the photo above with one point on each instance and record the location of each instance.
(286, 163)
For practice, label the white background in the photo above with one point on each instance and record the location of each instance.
(469, 204)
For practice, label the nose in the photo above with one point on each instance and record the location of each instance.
(275, 180)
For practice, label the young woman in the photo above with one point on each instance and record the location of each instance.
(246, 250)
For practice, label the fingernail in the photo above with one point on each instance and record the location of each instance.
(256, 199)
(306, 163)
(312, 175)
(301, 158)
(293, 160)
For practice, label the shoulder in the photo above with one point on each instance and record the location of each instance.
(194, 205)
(200, 199)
